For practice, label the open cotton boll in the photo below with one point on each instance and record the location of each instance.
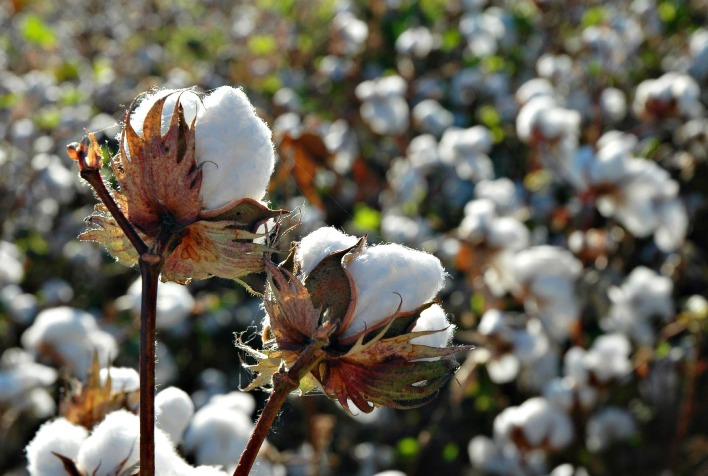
(73, 337)
(59, 436)
(319, 244)
(233, 145)
(173, 410)
(113, 447)
(386, 276)
(433, 319)
(237, 144)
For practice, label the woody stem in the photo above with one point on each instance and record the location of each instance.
(150, 263)
(284, 382)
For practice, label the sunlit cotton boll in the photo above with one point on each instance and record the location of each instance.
(673, 94)
(59, 436)
(20, 375)
(422, 152)
(384, 107)
(613, 104)
(174, 303)
(123, 379)
(349, 32)
(385, 276)
(70, 337)
(233, 145)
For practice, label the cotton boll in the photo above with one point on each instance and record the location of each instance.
(73, 336)
(431, 117)
(123, 379)
(113, 447)
(234, 145)
(387, 276)
(173, 410)
(320, 244)
(423, 151)
(613, 104)
(59, 436)
(12, 269)
(174, 303)
(217, 435)
(433, 319)
(608, 426)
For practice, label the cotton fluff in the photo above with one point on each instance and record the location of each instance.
(233, 145)
(319, 244)
(173, 410)
(431, 117)
(540, 422)
(113, 447)
(20, 375)
(123, 379)
(58, 436)
(433, 319)
(73, 336)
(218, 432)
(12, 270)
(174, 303)
(607, 426)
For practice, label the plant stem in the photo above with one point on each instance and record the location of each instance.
(284, 382)
(93, 177)
(150, 266)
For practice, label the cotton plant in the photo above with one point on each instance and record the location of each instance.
(355, 322)
(671, 95)
(192, 172)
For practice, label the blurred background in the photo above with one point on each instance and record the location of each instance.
(552, 154)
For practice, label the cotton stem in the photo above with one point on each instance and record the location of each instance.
(284, 382)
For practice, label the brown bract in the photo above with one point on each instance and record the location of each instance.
(379, 366)
(159, 186)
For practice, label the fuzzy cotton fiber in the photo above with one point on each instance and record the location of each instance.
(233, 145)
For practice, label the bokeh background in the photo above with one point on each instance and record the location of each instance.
(552, 154)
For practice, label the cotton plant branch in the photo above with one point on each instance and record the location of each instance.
(88, 157)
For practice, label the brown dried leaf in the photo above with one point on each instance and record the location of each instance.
(105, 230)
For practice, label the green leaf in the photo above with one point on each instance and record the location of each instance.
(408, 447)
(35, 31)
(366, 219)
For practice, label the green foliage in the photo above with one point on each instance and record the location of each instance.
(36, 31)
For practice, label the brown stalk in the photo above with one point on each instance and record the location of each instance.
(150, 264)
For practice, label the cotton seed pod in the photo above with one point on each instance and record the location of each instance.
(191, 173)
(387, 339)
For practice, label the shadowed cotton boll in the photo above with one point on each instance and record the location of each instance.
(608, 426)
(58, 436)
(490, 457)
(20, 375)
(350, 33)
(174, 303)
(70, 337)
(173, 410)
